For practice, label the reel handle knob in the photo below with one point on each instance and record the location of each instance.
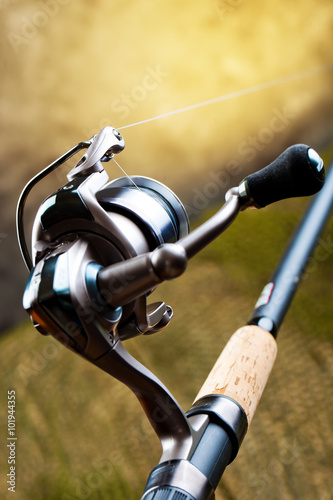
(298, 171)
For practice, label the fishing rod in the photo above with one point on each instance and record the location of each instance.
(228, 399)
(100, 249)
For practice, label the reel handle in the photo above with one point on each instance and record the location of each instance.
(299, 171)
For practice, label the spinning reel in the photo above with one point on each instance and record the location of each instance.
(100, 249)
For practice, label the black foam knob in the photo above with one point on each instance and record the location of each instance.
(298, 171)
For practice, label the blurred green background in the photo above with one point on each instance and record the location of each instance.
(68, 68)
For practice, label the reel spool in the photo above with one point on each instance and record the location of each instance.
(153, 207)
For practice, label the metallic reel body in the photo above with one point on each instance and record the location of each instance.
(117, 221)
(88, 226)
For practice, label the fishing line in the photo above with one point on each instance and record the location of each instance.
(239, 93)
(130, 178)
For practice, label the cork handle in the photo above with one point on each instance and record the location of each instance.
(242, 370)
